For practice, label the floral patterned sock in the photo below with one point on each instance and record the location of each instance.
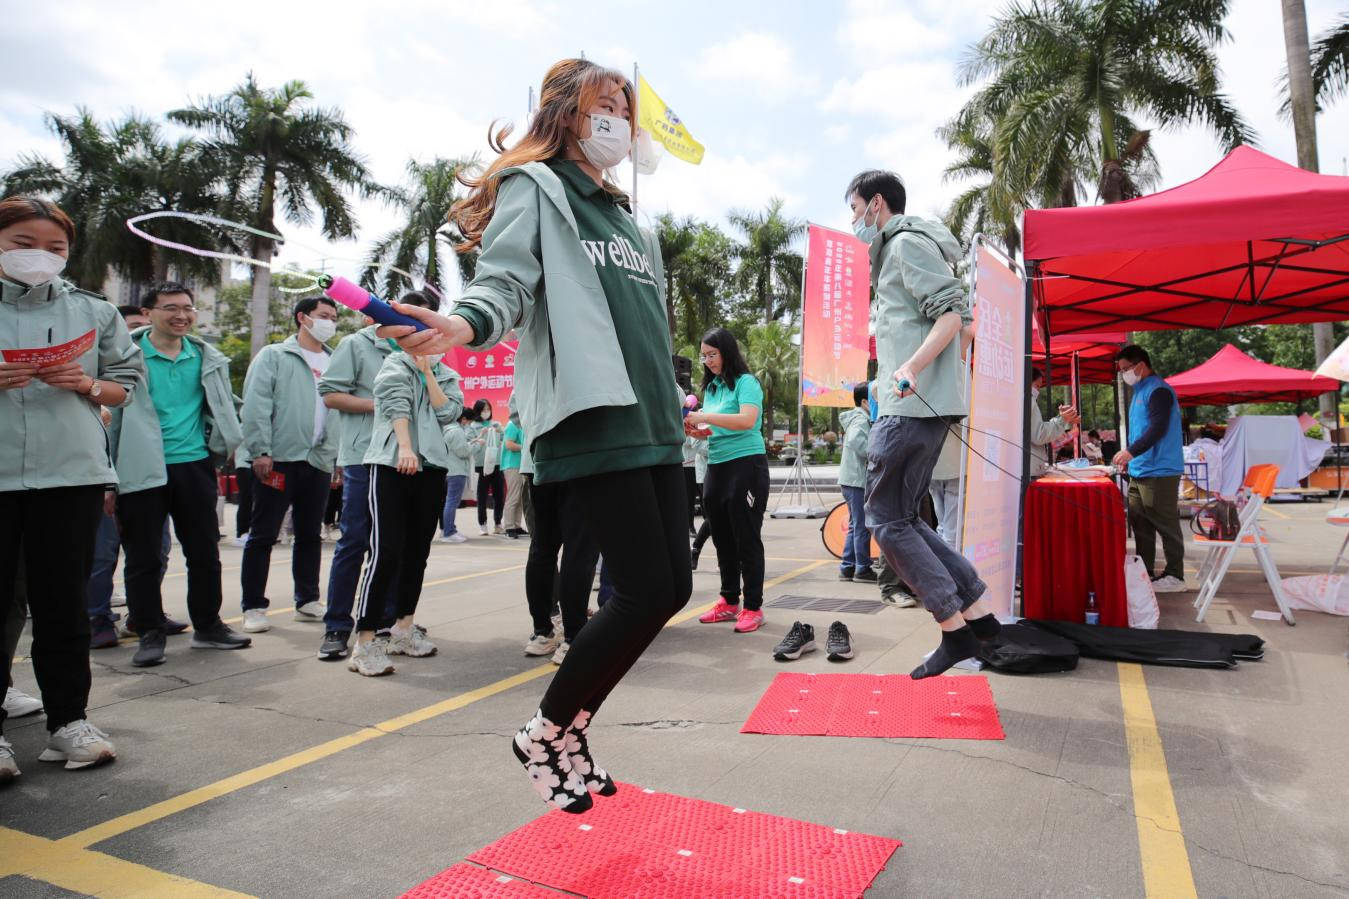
(540, 748)
(577, 748)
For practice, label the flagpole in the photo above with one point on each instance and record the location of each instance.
(636, 108)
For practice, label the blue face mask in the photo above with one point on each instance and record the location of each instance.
(864, 232)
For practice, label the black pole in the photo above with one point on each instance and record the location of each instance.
(1027, 364)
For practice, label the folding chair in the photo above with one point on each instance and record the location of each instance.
(1255, 490)
(1340, 519)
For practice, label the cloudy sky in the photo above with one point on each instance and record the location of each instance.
(790, 98)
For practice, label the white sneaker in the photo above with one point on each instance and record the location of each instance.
(542, 646)
(255, 621)
(413, 643)
(79, 744)
(18, 704)
(557, 623)
(118, 599)
(309, 611)
(482, 529)
(9, 767)
(499, 531)
(1168, 584)
(241, 540)
(371, 659)
(456, 537)
(561, 652)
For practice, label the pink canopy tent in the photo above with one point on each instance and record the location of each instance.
(1253, 240)
(1231, 377)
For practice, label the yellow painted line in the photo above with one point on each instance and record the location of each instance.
(93, 873)
(132, 820)
(1161, 845)
(1276, 513)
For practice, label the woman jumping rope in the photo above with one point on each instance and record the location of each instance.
(564, 264)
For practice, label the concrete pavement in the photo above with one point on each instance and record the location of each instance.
(269, 773)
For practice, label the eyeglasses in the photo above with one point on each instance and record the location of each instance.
(174, 310)
(705, 358)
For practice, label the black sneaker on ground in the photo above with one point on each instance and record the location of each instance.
(845, 574)
(801, 638)
(693, 557)
(865, 576)
(334, 646)
(151, 649)
(839, 642)
(219, 636)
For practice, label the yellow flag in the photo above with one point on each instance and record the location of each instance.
(662, 124)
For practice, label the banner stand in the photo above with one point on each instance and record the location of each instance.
(799, 483)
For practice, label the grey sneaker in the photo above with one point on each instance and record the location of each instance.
(151, 649)
(1168, 584)
(839, 643)
(79, 744)
(18, 704)
(309, 611)
(561, 653)
(540, 645)
(371, 659)
(9, 767)
(255, 621)
(413, 643)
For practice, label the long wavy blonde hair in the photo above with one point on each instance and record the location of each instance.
(571, 86)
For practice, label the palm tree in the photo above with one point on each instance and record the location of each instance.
(1063, 76)
(986, 207)
(416, 245)
(773, 360)
(676, 239)
(1329, 57)
(276, 150)
(765, 250)
(116, 171)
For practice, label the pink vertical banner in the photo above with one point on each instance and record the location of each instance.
(487, 374)
(834, 309)
(997, 403)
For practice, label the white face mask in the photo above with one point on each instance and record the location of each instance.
(32, 267)
(609, 142)
(1034, 394)
(1130, 377)
(321, 329)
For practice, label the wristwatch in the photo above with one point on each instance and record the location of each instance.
(95, 389)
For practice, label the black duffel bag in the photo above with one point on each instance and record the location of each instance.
(1019, 649)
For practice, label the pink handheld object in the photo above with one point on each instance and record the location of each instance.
(363, 301)
(690, 403)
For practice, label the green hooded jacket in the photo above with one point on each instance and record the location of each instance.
(913, 285)
(278, 413)
(352, 369)
(50, 437)
(138, 445)
(856, 425)
(400, 392)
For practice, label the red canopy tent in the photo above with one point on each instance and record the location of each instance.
(1095, 355)
(1231, 376)
(1254, 240)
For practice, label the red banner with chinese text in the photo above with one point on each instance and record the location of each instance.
(487, 374)
(834, 309)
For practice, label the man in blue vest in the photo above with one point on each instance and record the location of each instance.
(1156, 461)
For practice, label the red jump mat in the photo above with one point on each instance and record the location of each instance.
(877, 705)
(471, 882)
(641, 843)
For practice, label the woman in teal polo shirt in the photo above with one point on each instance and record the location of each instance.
(735, 492)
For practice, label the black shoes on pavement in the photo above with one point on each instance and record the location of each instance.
(220, 636)
(801, 639)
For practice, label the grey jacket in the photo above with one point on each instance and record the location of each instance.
(913, 284)
(856, 424)
(352, 370)
(278, 412)
(51, 437)
(400, 392)
(138, 444)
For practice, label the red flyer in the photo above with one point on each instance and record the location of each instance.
(47, 356)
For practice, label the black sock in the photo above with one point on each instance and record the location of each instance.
(985, 627)
(956, 646)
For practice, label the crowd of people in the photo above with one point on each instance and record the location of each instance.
(601, 463)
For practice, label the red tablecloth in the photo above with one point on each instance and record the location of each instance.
(1074, 542)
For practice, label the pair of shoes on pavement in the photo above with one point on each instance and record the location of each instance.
(858, 575)
(219, 635)
(899, 599)
(746, 620)
(801, 639)
(78, 744)
(371, 659)
(169, 626)
(558, 762)
(256, 620)
(544, 644)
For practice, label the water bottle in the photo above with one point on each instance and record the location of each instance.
(1093, 615)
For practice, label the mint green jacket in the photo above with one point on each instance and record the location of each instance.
(51, 437)
(352, 370)
(278, 413)
(138, 444)
(913, 286)
(534, 277)
(856, 424)
(460, 452)
(400, 392)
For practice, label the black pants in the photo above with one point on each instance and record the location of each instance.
(691, 488)
(332, 513)
(404, 513)
(735, 496)
(704, 531)
(496, 483)
(637, 520)
(189, 499)
(559, 525)
(243, 517)
(54, 530)
(306, 493)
